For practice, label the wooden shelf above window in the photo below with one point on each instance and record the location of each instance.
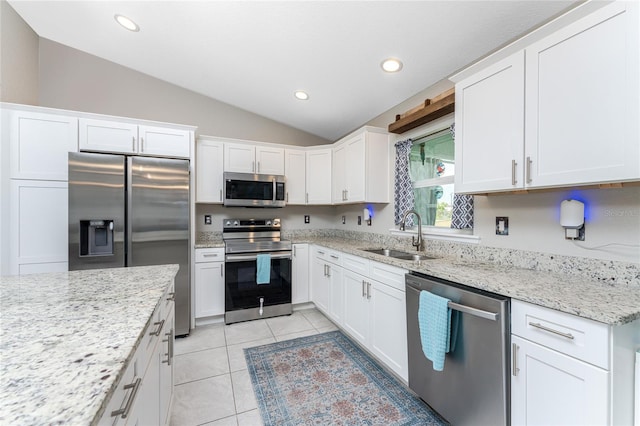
(432, 109)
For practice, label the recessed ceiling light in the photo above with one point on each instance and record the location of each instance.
(391, 65)
(301, 94)
(127, 23)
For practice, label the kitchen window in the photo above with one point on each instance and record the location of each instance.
(425, 173)
(431, 169)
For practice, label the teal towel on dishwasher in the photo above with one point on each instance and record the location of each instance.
(263, 268)
(434, 320)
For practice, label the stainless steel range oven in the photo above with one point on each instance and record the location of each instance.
(246, 296)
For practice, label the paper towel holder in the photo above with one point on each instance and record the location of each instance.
(572, 219)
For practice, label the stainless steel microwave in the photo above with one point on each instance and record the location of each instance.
(253, 190)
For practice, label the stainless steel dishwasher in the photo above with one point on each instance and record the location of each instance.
(474, 387)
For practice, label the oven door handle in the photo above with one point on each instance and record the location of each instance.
(245, 257)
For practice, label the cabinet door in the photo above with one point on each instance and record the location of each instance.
(319, 176)
(209, 169)
(490, 128)
(295, 169)
(354, 169)
(356, 306)
(269, 161)
(336, 296)
(582, 101)
(107, 136)
(40, 144)
(166, 367)
(239, 158)
(39, 228)
(338, 175)
(320, 285)
(300, 274)
(388, 338)
(551, 388)
(209, 294)
(164, 141)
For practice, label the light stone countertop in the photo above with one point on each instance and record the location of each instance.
(66, 338)
(608, 303)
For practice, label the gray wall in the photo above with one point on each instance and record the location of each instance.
(71, 79)
(18, 58)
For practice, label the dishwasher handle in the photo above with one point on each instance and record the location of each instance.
(493, 316)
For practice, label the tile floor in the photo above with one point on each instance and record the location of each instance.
(212, 383)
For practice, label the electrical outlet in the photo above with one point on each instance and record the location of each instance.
(306, 218)
(359, 220)
(344, 220)
(207, 219)
(502, 225)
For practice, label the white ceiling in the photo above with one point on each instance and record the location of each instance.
(255, 54)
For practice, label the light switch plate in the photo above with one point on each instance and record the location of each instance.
(344, 220)
(502, 225)
(307, 219)
(207, 219)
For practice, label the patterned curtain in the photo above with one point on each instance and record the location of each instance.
(403, 188)
(462, 210)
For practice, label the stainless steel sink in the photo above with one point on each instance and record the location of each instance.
(397, 254)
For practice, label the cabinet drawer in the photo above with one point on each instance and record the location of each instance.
(387, 274)
(580, 338)
(356, 264)
(328, 255)
(210, 255)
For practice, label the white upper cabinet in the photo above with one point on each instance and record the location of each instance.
(318, 179)
(209, 168)
(582, 101)
(40, 143)
(109, 136)
(245, 158)
(295, 170)
(361, 167)
(164, 141)
(490, 128)
(562, 113)
(127, 138)
(269, 161)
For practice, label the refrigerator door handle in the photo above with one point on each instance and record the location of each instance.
(129, 213)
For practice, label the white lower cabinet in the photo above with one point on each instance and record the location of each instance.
(366, 300)
(209, 282)
(145, 391)
(552, 388)
(300, 274)
(567, 370)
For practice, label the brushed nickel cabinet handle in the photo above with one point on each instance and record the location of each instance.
(551, 330)
(169, 340)
(133, 143)
(529, 169)
(514, 359)
(514, 181)
(368, 290)
(141, 144)
(171, 296)
(287, 196)
(157, 332)
(364, 292)
(124, 412)
(221, 195)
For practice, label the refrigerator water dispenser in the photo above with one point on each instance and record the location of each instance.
(96, 237)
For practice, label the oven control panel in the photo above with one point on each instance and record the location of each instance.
(250, 223)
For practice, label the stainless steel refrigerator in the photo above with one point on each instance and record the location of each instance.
(131, 211)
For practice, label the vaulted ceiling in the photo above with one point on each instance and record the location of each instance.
(255, 54)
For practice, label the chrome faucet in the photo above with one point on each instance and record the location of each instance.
(417, 243)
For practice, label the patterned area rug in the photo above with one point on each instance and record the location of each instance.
(327, 380)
